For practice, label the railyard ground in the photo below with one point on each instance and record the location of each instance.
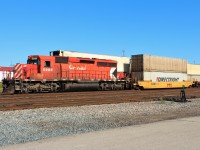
(22, 126)
(177, 134)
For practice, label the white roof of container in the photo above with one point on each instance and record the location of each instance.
(122, 62)
(92, 55)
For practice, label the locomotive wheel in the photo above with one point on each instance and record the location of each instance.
(100, 88)
(112, 87)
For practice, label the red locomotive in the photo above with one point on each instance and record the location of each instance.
(58, 73)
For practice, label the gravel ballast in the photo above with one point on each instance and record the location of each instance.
(29, 125)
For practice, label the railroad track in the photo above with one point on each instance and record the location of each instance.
(45, 100)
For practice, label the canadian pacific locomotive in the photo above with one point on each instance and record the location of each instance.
(60, 73)
(74, 71)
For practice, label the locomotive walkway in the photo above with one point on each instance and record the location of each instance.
(46, 100)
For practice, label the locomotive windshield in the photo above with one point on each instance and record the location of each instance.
(33, 60)
(55, 53)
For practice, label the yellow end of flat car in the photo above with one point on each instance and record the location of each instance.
(162, 85)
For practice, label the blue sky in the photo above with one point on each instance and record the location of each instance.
(159, 27)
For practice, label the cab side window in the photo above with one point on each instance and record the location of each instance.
(47, 64)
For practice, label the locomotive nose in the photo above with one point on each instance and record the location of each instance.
(18, 71)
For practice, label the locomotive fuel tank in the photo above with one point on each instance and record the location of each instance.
(81, 86)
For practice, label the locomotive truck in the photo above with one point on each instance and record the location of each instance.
(60, 73)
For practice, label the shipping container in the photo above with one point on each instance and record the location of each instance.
(123, 63)
(159, 76)
(193, 69)
(149, 63)
(194, 78)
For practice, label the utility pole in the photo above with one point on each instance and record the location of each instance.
(123, 51)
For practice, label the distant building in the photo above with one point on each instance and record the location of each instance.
(6, 72)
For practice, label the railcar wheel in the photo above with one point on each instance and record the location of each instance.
(112, 87)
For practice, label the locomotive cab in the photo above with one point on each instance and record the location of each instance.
(41, 67)
(29, 70)
(32, 68)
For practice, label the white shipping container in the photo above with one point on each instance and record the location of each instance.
(194, 78)
(159, 76)
(123, 63)
(193, 69)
